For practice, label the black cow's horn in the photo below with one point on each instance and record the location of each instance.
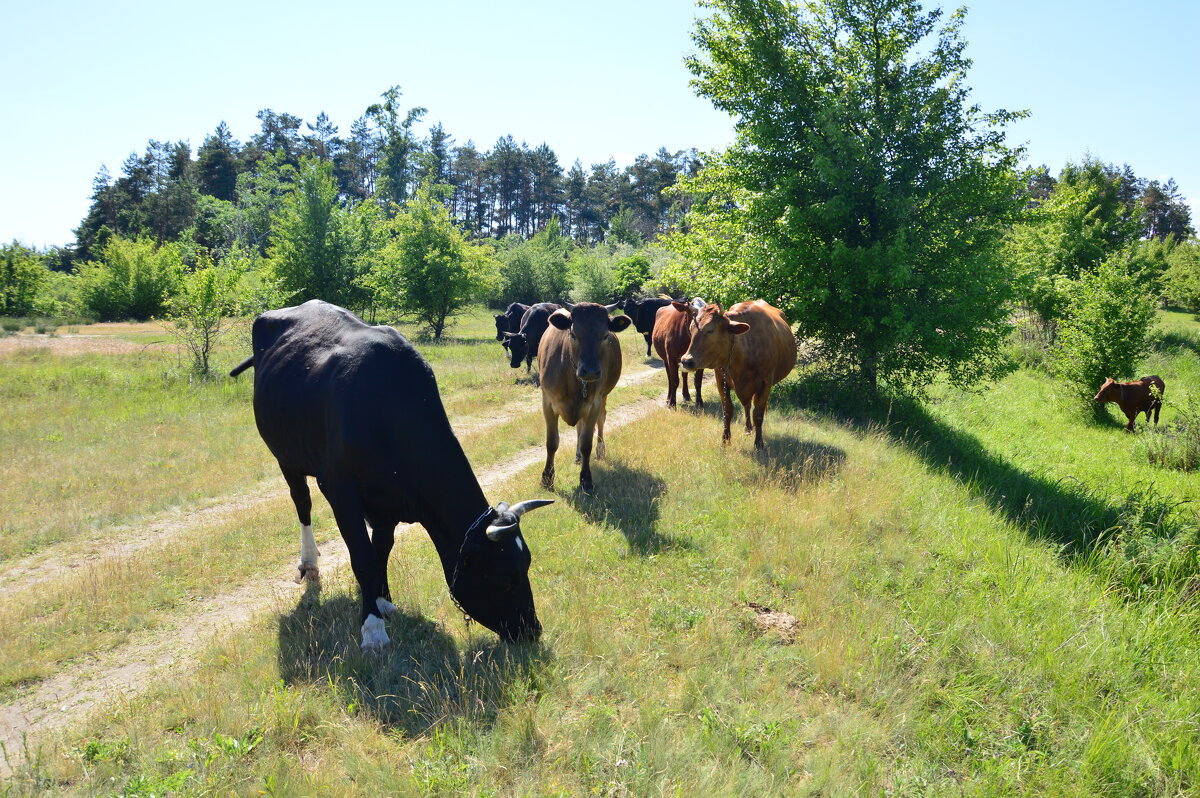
(569, 305)
(496, 532)
(611, 308)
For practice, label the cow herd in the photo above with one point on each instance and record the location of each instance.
(358, 408)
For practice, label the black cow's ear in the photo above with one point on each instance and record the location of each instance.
(618, 323)
(560, 320)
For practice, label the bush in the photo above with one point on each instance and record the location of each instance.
(133, 281)
(632, 274)
(22, 278)
(1104, 331)
(200, 311)
(1181, 280)
(592, 277)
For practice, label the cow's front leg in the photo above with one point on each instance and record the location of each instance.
(298, 485)
(601, 454)
(699, 380)
(760, 410)
(587, 429)
(726, 401)
(382, 538)
(347, 509)
(551, 443)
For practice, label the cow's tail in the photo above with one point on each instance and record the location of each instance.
(240, 367)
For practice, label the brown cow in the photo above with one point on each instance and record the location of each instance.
(671, 336)
(579, 363)
(750, 348)
(1134, 397)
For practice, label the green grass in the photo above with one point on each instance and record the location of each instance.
(972, 617)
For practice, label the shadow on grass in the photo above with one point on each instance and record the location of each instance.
(1175, 343)
(1059, 510)
(627, 498)
(422, 680)
(793, 462)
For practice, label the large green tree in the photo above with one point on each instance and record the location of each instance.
(864, 192)
(314, 250)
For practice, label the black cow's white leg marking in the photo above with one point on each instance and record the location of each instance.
(307, 568)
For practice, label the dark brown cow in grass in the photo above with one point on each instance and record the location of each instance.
(1143, 395)
(671, 337)
(751, 348)
(579, 363)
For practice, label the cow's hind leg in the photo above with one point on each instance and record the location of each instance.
(673, 381)
(298, 485)
(382, 538)
(699, 380)
(348, 510)
(600, 451)
(760, 410)
(551, 443)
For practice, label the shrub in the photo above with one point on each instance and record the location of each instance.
(1104, 330)
(199, 313)
(132, 281)
(592, 277)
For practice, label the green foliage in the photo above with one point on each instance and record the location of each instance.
(622, 229)
(864, 193)
(536, 270)
(592, 276)
(132, 281)
(199, 313)
(23, 277)
(631, 275)
(1181, 280)
(429, 271)
(315, 252)
(1176, 446)
(1104, 331)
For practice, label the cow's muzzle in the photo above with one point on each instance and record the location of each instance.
(587, 374)
(688, 363)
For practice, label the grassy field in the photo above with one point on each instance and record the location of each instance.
(987, 594)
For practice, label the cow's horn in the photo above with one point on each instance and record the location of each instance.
(496, 532)
(520, 508)
(611, 308)
(569, 305)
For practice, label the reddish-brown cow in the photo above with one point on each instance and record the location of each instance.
(579, 363)
(671, 336)
(750, 348)
(1134, 397)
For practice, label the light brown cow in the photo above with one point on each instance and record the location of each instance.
(579, 363)
(750, 348)
(671, 336)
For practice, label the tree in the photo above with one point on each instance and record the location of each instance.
(1165, 214)
(429, 271)
(200, 311)
(217, 164)
(863, 194)
(313, 249)
(398, 148)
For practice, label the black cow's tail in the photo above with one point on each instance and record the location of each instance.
(240, 367)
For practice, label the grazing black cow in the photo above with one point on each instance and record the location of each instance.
(643, 313)
(523, 344)
(510, 320)
(358, 408)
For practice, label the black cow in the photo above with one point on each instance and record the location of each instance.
(643, 312)
(358, 408)
(509, 320)
(523, 344)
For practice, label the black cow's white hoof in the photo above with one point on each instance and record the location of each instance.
(310, 572)
(374, 635)
(386, 608)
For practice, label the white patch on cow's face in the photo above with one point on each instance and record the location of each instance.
(374, 634)
(386, 607)
(520, 543)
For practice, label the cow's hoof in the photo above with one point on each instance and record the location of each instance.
(307, 572)
(386, 608)
(374, 634)
(578, 457)
(548, 480)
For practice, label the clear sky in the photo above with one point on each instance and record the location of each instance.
(88, 83)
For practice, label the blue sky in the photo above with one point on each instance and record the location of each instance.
(86, 84)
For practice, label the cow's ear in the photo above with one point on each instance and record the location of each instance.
(618, 323)
(682, 308)
(738, 327)
(561, 320)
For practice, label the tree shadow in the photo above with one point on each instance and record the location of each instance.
(420, 681)
(1062, 511)
(1175, 343)
(627, 498)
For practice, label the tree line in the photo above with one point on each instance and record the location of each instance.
(224, 196)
